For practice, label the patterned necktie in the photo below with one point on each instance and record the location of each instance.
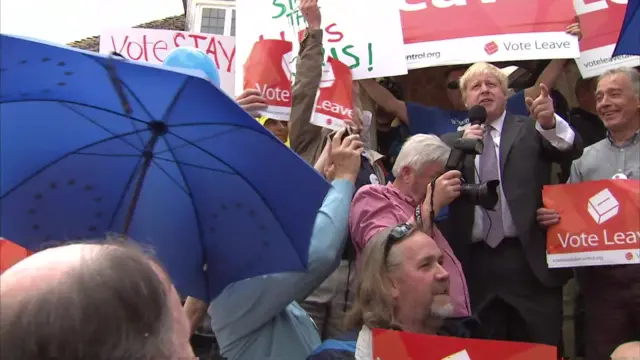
(492, 226)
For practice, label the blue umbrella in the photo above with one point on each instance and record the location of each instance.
(629, 39)
(91, 144)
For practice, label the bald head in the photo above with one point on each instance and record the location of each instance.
(90, 301)
(627, 351)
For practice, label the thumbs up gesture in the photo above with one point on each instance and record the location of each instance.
(541, 109)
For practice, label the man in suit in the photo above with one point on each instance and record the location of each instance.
(515, 294)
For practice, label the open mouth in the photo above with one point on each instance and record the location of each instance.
(486, 101)
(609, 113)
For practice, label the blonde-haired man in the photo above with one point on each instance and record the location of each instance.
(503, 250)
(402, 285)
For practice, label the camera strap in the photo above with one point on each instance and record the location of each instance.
(432, 214)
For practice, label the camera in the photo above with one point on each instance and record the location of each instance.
(486, 194)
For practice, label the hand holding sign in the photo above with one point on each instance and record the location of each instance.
(251, 101)
(541, 109)
(311, 13)
(547, 217)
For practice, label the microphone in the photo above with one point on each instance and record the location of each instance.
(477, 115)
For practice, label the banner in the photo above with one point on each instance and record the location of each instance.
(397, 345)
(371, 44)
(153, 46)
(10, 254)
(599, 223)
(600, 21)
(447, 32)
(334, 100)
(268, 70)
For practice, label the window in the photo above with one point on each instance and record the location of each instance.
(213, 21)
(214, 17)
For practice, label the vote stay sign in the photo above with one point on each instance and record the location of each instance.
(446, 32)
(153, 46)
(334, 100)
(268, 70)
(398, 345)
(599, 223)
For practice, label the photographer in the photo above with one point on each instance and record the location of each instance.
(503, 249)
(412, 197)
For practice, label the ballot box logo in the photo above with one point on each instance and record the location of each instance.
(491, 48)
(603, 206)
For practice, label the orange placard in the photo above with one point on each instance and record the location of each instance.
(10, 254)
(334, 100)
(398, 345)
(599, 223)
(268, 70)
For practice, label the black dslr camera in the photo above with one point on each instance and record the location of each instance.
(485, 195)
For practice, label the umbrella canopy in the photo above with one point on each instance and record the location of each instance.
(629, 39)
(91, 144)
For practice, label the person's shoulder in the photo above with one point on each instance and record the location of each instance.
(593, 149)
(370, 189)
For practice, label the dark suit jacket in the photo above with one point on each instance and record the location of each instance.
(525, 163)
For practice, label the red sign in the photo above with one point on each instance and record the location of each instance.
(334, 102)
(435, 20)
(397, 345)
(10, 254)
(268, 70)
(600, 22)
(599, 223)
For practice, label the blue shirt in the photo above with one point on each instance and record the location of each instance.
(433, 120)
(258, 318)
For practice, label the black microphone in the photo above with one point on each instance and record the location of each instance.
(477, 115)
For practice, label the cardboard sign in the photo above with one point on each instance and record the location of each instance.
(10, 254)
(334, 101)
(268, 70)
(398, 345)
(600, 22)
(446, 32)
(153, 46)
(371, 45)
(599, 223)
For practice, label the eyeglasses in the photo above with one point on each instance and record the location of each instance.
(397, 234)
(453, 85)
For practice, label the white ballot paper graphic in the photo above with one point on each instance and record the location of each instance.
(461, 355)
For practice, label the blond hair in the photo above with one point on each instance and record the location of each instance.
(373, 305)
(483, 68)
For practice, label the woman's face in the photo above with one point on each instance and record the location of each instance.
(278, 128)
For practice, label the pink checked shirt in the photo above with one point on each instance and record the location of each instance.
(377, 207)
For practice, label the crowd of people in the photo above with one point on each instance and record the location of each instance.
(400, 241)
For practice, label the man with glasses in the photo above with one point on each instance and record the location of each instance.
(403, 286)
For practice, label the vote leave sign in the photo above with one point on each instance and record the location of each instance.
(599, 223)
(600, 21)
(370, 45)
(334, 101)
(153, 46)
(447, 32)
(10, 254)
(268, 70)
(398, 345)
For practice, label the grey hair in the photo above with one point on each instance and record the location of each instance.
(111, 305)
(631, 73)
(419, 151)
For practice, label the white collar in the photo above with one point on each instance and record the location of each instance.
(499, 122)
(364, 344)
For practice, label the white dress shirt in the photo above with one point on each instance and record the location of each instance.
(561, 137)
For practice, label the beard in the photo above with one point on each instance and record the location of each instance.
(441, 307)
